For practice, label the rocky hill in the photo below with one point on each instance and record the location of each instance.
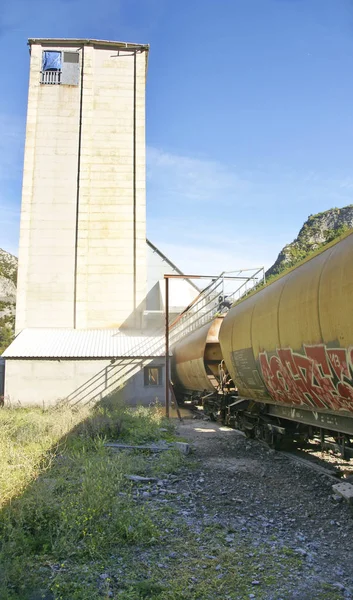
(8, 277)
(317, 231)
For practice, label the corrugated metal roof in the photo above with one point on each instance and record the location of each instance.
(88, 343)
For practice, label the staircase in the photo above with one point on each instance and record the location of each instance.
(212, 301)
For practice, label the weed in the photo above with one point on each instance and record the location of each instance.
(64, 495)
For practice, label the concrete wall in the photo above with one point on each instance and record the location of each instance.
(181, 292)
(105, 267)
(48, 222)
(46, 382)
(107, 248)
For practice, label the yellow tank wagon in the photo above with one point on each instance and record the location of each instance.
(289, 345)
(198, 371)
(196, 358)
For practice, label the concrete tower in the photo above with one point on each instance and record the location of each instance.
(82, 255)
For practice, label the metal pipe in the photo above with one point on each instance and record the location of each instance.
(167, 378)
(134, 285)
(78, 186)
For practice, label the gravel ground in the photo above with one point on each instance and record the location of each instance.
(268, 501)
(238, 521)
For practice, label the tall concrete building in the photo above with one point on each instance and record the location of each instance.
(90, 297)
(82, 256)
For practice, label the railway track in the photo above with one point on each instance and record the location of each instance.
(330, 463)
(324, 461)
(302, 458)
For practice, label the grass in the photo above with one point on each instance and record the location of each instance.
(29, 441)
(64, 495)
(72, 527)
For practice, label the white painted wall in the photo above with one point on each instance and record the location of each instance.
(181, 291)
(105, 240)
(105, 268)
(46, 382)
(47, 233)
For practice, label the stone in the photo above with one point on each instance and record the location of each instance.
(339, 586)
(300, 551)
(345, 490)
(138, 478)
(182, 447)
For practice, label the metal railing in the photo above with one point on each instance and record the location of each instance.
(50, 77)
(214, 300)
(202, 310)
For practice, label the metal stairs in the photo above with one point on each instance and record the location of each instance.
(212, 301)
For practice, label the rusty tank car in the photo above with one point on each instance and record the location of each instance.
(289, 350)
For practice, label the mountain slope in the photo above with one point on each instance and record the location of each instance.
(317, 231)
(8, 277)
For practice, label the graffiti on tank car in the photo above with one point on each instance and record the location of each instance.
(321, 377)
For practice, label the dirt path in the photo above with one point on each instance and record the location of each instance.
(266, 500)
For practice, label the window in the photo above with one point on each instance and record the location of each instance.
(51, 61)
(71, 57)
(60, 68)
(152, 376)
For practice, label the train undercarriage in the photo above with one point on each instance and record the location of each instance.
(279, 427)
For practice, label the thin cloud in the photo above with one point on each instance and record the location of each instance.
(346, 184)
(213, 249)
(193, 178)
(202, 258)
(11, 147)
(11, 164)
(207, 215)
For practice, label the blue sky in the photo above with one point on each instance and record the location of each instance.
(249, 116)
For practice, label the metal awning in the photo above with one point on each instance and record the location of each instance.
(46, 343)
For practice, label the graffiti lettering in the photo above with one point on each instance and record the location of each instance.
(321, 377)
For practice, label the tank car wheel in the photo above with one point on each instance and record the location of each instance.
(278, 441)
(258, 432)
(270, 439)
(250, 433)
